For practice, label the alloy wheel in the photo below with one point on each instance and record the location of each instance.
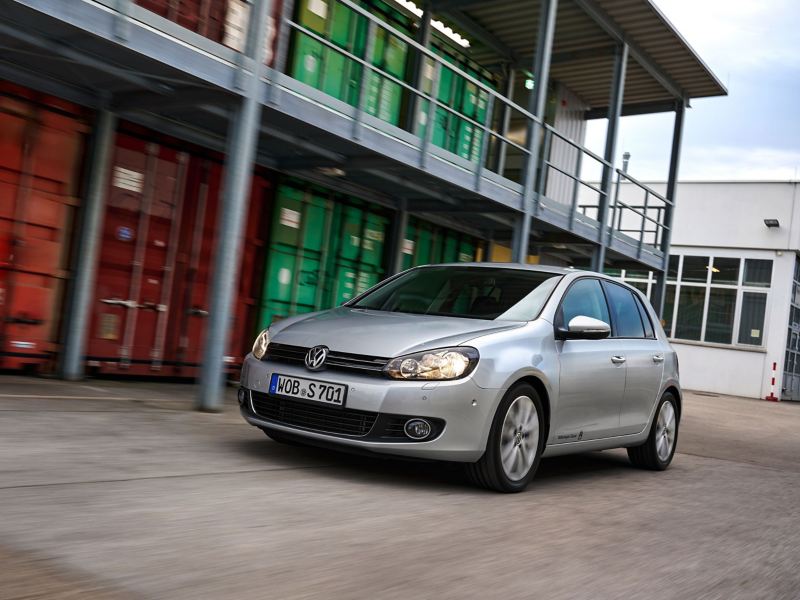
(519, 439)
(665, 431)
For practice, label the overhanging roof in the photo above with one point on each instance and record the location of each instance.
(663, 66)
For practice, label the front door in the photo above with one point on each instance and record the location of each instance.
(592, 372)
(644, 354)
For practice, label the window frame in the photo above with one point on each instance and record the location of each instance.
(604, 283)
(740, 288)
(558, 320)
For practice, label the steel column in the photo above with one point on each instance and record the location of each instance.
(614, 113)
(80, 306)
(672, 185)
(536, 106)
(424, 39)
(243, 134)
(399, 228)
(284, 33)
(500, 163)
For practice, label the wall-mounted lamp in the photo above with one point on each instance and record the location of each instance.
(772, 223)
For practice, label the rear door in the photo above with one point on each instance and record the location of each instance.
(592, 373)
(644, 356)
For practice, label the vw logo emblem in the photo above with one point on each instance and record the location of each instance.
(315, 358)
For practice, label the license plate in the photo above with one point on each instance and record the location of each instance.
(300, 388)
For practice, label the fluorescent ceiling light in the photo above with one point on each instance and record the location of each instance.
(438, 25)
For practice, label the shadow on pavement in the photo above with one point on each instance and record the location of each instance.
(420, 474)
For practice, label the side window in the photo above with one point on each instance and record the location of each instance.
(584, 298)
(625, 312)
(649, 332)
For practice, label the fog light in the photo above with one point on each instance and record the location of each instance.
(417, 429)
(242, 395)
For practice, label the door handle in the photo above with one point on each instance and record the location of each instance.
(617, 360)
(658, 358)
(118, 302)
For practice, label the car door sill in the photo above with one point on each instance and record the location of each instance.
(599, 444)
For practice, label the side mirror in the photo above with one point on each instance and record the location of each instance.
(584, 328)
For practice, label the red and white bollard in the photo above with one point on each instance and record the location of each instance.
(772, 397)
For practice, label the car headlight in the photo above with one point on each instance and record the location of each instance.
(441, 364)
(260, 345)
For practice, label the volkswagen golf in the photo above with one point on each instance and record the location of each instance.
(491, 365)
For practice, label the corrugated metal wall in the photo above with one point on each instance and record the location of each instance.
(570, 122)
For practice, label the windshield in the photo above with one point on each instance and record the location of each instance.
(471, 292)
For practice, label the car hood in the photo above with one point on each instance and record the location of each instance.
(380, 333)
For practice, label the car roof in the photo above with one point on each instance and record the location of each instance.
(514, 266)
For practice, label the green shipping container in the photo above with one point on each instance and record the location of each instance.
(323, 250)
(332, 72)
(426, 244)
(451, 130)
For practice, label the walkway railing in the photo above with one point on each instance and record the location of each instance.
(566, 174)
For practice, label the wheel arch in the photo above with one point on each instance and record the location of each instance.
(673, 389)
(540, 387)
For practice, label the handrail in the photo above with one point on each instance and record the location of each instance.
(367, 65)
(432, 55)
(577, 146)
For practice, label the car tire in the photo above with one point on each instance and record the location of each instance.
(518, 435)
(281, 438)
(657, 451)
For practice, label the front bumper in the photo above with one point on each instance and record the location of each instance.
(465, 409)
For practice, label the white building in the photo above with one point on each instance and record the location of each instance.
(732, 308)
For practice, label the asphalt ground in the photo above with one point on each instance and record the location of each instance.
(115, 490)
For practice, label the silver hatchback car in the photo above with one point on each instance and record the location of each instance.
(492, 365)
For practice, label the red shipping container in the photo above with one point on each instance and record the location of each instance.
(41, 152)
(206, 17)
(151, 303)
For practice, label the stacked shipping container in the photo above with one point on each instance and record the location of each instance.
(308, 249)
(152, 283)
(41, 148)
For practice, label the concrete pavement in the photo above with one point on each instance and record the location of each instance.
(119, 490)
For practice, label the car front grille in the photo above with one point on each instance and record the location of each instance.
(357, 363)
(324, 419)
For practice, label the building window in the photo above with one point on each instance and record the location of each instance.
(751, 329)
(715, 299)
(721, 309)
(689, 321)
(757, 273)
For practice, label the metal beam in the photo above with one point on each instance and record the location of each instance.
(445, 5)
(611, 27)
(583, 54)
(643, 108)
(63, 50)
(437, 206)
(612, 132)
(179, 98)
(672, 187)
(242, 144)
(536, 106)
(478, 32)
(77, 317)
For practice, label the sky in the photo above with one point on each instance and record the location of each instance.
(753, 46)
